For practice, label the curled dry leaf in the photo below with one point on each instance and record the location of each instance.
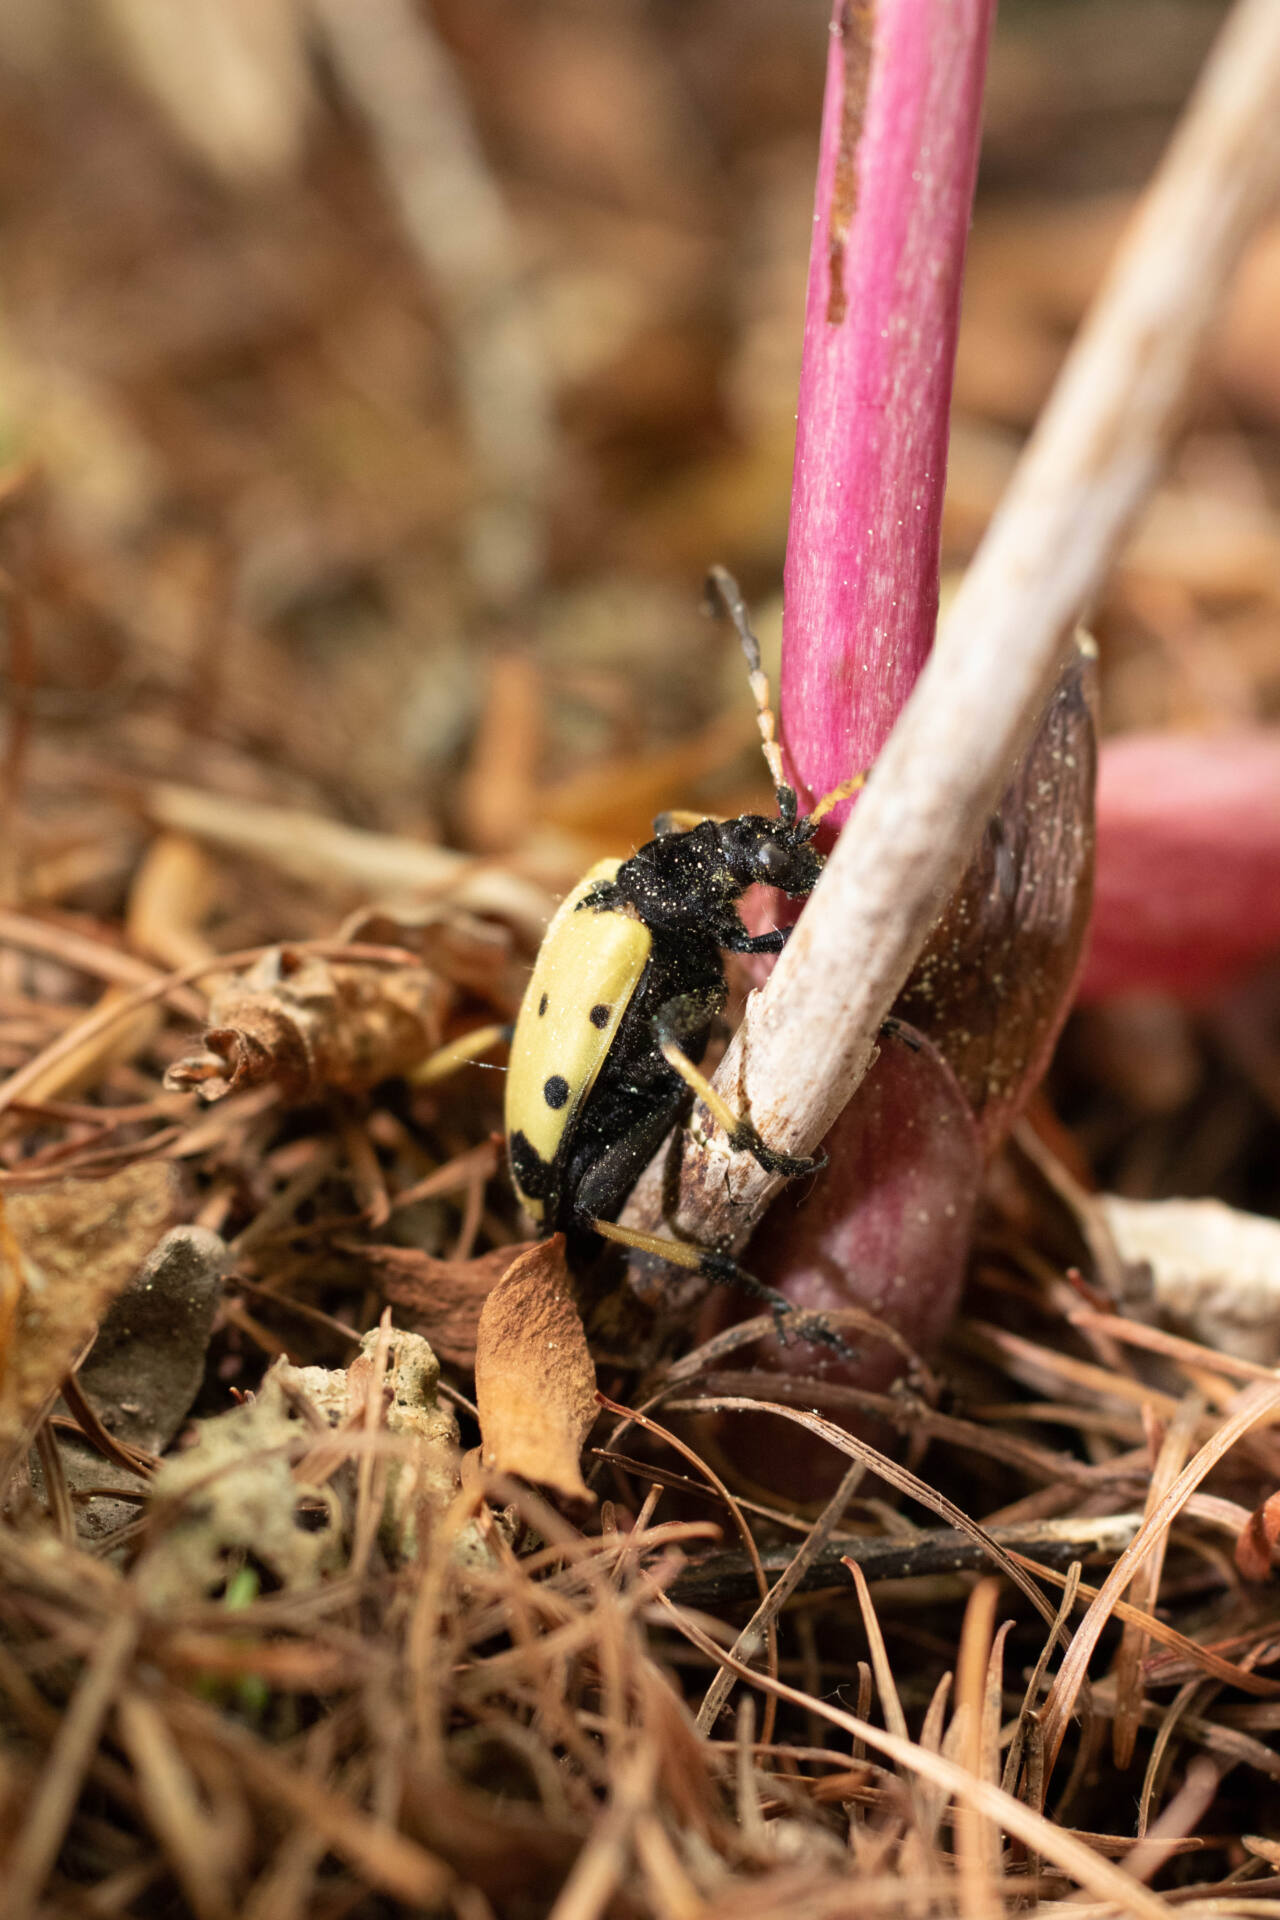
(535, 1384)
(885, 1227)
(311, 1026)
(1214, 1271)
(442, 1299)
(66, 1251)
(994, 984)
(476, 955)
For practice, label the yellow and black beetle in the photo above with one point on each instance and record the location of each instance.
(620, 1005)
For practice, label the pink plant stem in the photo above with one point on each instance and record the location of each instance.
(898, 155)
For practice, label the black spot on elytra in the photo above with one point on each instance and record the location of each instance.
(542, 1004)
(533, 1175)
(599, 1015)
(556, 1091)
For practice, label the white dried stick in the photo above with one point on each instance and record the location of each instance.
(1093, 460)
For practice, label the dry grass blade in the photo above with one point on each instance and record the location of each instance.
(897, 1476)
(388, 1860)
(602, 1863)
(977, 1691)
(1258, 1404)
(55, 1797)
(1204, 1659)
(1160, 1746)
(780, 1592)
(1027, 1717)
(732, 1507)
(317, 850)
(1187, 1353)
(1182, 1817)
(886, 1685)
(172, 1803)
(1070, 1855)
(94, 957)
(1146, 1587)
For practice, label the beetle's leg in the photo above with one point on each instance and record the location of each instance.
(670, 1023)
(723, 1270)
(743, 942)
(720, 1267)
(468, 1046)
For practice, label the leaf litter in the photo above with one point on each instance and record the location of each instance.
(285, 1628)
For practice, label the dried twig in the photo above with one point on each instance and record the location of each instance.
(723, 1579)
(316, 849)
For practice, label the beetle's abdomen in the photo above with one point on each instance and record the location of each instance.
(587, 970)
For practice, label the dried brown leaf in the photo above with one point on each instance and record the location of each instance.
(535, 1382)
(478, 956)
(148, 1360)
(65, 1253)
(309, 1026)
(442, 1299)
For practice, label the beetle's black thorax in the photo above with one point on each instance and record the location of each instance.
(676, 880)
(689, 883)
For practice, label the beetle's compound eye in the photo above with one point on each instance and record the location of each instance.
(773, 861)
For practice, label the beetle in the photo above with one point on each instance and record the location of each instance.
(624, 992)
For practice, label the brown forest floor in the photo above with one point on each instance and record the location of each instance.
(313, 640)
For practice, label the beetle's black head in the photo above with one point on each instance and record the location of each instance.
(774, 852)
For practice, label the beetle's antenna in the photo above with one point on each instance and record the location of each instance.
(833, 799)
(720, 581)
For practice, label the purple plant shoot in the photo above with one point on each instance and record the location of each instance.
(897, 161)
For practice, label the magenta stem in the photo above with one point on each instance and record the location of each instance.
(899, 147)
